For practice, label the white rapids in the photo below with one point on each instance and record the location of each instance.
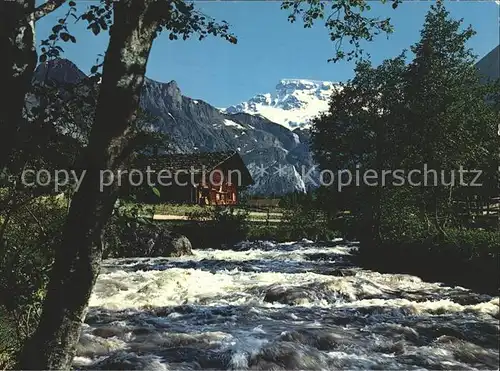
(268, 306)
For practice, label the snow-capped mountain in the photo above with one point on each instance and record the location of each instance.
(294, 103)
(275, 156)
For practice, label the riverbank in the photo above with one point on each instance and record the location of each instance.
(478, 271)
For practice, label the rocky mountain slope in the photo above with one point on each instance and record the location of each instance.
(275, 155)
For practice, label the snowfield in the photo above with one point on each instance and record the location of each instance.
(294, 104)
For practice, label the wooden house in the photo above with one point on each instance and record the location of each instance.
(208, 178)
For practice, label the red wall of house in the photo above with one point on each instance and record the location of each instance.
(220, 192)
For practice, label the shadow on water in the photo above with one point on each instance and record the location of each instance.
(331, 263)
(252, 265)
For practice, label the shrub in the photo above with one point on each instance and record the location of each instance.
(30, 232)
(128, 226)
(262, 231)
(178, 209)
(214, 227)
(306, 222)
(346, 225)
(231, 223)
(469, 244)
(401, 220)
(468, 258)
(9, 343)
(201, 214)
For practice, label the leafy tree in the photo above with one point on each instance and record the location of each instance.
(111, 141)
(433, 111)
(17, 42)
(357, 134)
(347, 20)
(448, 122)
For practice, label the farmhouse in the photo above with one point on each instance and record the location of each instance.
(209, 178)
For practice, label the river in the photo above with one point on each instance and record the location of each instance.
(269, 306)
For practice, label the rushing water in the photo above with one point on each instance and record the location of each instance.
(267, 306)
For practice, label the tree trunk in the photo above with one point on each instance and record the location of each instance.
(17, 64)
(79, 256)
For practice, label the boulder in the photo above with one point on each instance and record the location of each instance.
(147, 240)
(171, 245)
(318, 338)
(286, 295)
(284, 355)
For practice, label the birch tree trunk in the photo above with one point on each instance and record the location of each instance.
(78, 258)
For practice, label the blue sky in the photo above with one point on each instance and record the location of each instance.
(269, 47)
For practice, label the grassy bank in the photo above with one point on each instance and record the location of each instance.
(169, 211)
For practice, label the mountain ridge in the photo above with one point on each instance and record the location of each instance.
(194, 125)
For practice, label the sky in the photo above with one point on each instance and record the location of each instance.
(269, 47)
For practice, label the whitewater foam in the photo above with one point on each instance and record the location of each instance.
(297, 305)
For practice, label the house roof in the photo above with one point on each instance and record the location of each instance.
(199, 162)
(187, 161)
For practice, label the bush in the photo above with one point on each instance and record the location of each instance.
(31, 231)
(215, 227)
(179, 209)
(263, 231)
(201, 214)
(130, 224)
(306, 222)
(401, 220)
(346, 225)
(231, 223)
(470, 244)
(9, 342)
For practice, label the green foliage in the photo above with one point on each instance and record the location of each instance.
(215, 227)
(347, 20)
(128, 224)
(130, 238)
(305, 217)
(263, 231)
(28, 242)
(9, 344)
(208, 227)
(231, 222)
(306, 222)
(177, 17)
(401, 221)
(29, 233)
(467, 258)
(432, 111)
(469, 244)
(201, 213)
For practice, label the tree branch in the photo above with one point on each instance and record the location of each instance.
(48, 7)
